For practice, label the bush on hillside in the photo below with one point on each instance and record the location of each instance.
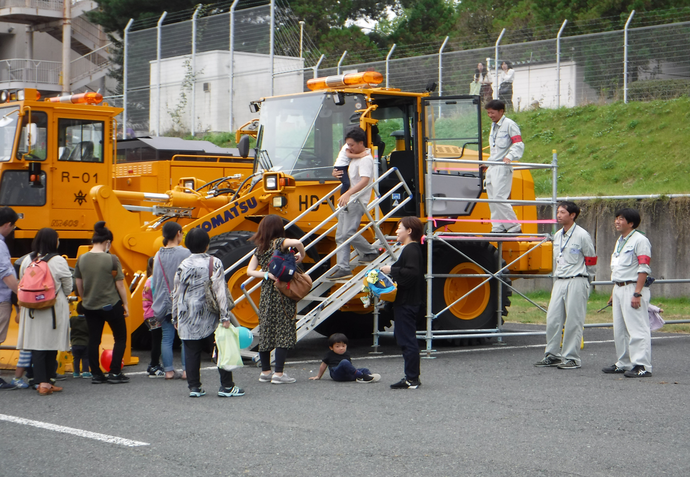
(649, 90)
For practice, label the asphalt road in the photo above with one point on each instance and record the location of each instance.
(482, 410)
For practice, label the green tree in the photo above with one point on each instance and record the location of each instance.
(423, 21)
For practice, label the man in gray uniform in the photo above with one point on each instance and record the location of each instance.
(630, 298)
(575, 264)
(506, 145)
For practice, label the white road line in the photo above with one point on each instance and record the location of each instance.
(73, 431)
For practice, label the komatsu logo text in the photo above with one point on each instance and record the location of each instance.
(234, 211)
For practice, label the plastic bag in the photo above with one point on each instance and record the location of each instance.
(228, 344)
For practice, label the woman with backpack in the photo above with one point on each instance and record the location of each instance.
(44, 318)
(276, 311)
(100, 283)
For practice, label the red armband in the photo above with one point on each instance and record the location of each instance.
(516, 139)
(590, 261)
(644, 259)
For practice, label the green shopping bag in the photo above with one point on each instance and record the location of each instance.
(228, 344)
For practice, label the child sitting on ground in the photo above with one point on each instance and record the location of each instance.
(79, 337)
(339, 363)
(342, 162)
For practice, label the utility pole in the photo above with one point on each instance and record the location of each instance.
(66, 45)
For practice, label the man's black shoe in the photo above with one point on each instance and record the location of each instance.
(117, 378)
(99, 379)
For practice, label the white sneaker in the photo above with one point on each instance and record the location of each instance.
(284, 379)
(265, 378)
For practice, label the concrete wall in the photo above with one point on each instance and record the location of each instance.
(667, 226)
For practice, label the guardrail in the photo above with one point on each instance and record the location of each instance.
(30, 71)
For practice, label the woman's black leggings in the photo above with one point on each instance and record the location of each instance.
(265, 356)
(45, 363)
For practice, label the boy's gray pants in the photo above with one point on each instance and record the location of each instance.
(348, 224)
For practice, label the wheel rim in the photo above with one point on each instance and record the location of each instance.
(472, 305)
(243, 310)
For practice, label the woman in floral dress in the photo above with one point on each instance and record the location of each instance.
(276, 311)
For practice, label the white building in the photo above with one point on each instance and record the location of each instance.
(204, 87)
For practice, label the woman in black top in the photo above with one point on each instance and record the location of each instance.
(408, 272)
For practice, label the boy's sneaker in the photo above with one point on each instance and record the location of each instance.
(284, 379)
(117, 378)
(59, 377)
(368, 258)
(86, 375)
(19, 382)
(549, 361)
(570, 364)
(369, 378)
(265, 378)
(613, 369)
(338, 274)
(637, 372)
(196, 392)
(99, 379)
(406, 384)
(230, 392)
(156, 372)
(76, 375)
(5, 385)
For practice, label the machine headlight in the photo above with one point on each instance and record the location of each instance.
(279, 201)
(271, 183)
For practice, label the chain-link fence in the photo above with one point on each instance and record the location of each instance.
(196, 72)
(199, 75)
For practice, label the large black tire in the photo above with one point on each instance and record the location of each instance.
(478, 310)
(230, 247)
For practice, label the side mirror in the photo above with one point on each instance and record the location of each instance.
(243, 146)
(29, 137)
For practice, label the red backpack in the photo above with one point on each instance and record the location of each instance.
(36, 288)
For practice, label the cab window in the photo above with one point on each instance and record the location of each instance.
(17, 189)
(34, 134)
(80, 140)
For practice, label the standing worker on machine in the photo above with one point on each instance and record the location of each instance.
(506, 146)
(574, 270)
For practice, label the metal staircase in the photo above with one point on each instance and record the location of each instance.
(327, 295)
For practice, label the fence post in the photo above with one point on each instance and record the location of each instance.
(625, 57)
(231, 117)
(316, 68)
(558, 64)
(301, 37)
(196, 12)
(272, 40)
(440, 67)
(388, 56)
(341, 60)
(496, 61)
(158, 60)
(124, 80)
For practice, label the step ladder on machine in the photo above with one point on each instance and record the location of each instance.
(322, 301)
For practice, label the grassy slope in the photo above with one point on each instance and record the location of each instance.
(615, 149)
